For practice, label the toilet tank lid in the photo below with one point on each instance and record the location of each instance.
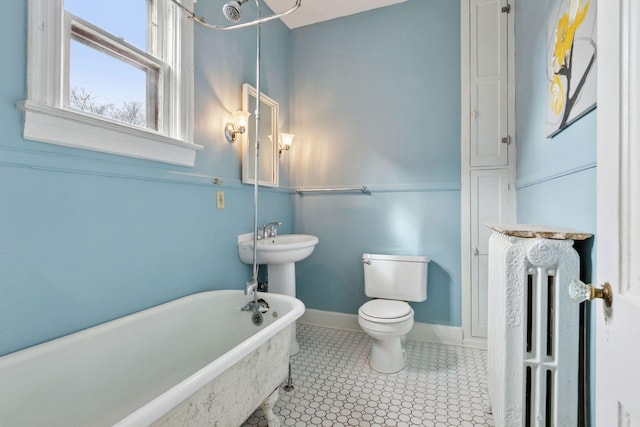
(405, 258)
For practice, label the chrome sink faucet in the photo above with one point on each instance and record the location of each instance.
(269, 230)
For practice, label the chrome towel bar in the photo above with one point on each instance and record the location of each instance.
(362, 189)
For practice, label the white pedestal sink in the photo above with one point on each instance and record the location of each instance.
(280, 254)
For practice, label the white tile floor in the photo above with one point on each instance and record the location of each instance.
(334, 386)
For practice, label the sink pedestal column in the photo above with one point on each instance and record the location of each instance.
(282, 280)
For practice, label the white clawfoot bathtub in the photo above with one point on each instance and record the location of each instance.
(198, 360)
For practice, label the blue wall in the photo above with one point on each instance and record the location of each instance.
(556, 177)
(375, 101)
(87, 237)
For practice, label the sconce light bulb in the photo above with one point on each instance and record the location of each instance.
(241, 119)
(287, 139)
(285, 142)
(238, 125)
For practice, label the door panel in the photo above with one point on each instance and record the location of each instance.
(489, 205)
(489, 95)
(617, 377)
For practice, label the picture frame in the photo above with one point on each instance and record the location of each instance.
(571, 63)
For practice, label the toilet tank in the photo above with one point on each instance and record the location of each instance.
(396, 277)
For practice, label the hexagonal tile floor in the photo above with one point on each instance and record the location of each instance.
(440, 386)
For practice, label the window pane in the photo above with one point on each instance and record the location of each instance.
(126, 19)
(103, 85)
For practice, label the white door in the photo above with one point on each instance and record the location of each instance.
(617, 386)
(491, 203)
(488, 85)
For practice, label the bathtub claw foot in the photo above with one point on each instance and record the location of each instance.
(267, 408)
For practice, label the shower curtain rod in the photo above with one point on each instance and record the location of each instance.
(201, 21)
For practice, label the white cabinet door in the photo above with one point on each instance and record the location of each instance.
(491, 200)
(488, 84)
(487, 163)
(617, 376)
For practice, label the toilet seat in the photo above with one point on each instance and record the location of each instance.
(385, 311)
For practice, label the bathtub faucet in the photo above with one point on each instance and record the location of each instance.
(269, 230)
(258, 305)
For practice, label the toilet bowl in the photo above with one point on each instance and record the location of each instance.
(392, 280)
(386, 322)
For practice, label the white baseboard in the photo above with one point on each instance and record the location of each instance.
(330, 319)
(422, 332)
(442, 334)
(473, 342)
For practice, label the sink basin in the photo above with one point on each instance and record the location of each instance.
(282, 249)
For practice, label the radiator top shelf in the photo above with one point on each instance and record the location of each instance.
(529, 231)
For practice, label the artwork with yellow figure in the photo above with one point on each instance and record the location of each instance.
(571, 65)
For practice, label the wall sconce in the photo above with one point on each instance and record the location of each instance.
(238, 125)
(285, 142)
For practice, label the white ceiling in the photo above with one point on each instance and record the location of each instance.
(313, 11)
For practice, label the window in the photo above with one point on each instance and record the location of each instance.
(98, 81)
(114, 71)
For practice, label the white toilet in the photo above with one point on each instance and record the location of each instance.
(392, 280)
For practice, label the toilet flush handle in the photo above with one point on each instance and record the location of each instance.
(366, 261)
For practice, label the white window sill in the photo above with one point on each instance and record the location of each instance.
(75, 129)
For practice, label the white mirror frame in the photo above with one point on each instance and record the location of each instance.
(272, 152)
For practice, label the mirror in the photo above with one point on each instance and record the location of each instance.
(268, 155)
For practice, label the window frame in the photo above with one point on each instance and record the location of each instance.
(47, 117)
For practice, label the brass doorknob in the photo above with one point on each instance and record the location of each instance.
(579, 291)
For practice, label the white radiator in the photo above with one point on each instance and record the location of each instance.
(533, 342)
